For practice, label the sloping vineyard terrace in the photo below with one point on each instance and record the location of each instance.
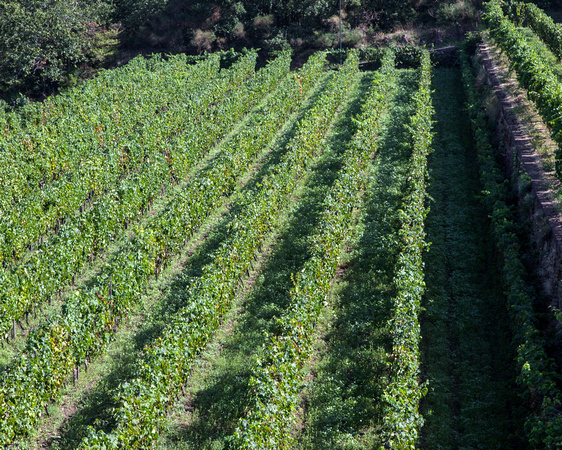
(29, 284)
(89, 317)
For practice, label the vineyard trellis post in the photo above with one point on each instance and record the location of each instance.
(341, 57)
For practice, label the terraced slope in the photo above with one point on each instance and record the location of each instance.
(273, 294)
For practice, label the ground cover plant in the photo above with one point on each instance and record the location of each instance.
(312, 257)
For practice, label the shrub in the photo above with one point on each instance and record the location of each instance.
(264, 22)
(203, 40)
(352, 38)
(324, 40)
(238, 31)
(457, 12)
(277, 43)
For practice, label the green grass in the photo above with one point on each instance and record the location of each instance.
(92, 398)
(85, 277)
(465, 336)
(466, 352)
(343, 398)
(95, 405)
(217, 394)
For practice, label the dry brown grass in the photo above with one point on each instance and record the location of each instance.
(203, 40)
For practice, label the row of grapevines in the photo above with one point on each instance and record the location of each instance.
(402, 420)
(5, 118)
(45, 208)
(534, 74)
(29, 284)
(277, 378)
(102, 163)
(541, 23)
(66, 134)
(536, 373)
(165, 365)
(89, 317)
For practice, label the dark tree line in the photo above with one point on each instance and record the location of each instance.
(42, 42)
(46, 43)
(203, 25)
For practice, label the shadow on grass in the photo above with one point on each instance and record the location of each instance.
(465, 350)
(221, 401)
(343, 406)
(96, 404)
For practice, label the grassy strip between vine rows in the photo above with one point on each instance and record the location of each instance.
(28, 285)
(540, 22)
(102, 150)
(536, 373)
(276, 380)
(534, 74)
(165, 365)
(89, 318)
(402, 419)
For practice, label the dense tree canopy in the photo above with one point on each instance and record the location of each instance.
(44, 42)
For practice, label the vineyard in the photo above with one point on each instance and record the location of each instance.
(215, 252)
